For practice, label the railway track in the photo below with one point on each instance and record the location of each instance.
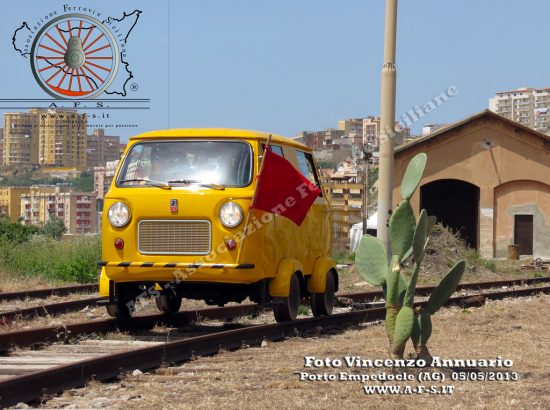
(76, 305)
(6, 316)
(43, 373)
(44, 293)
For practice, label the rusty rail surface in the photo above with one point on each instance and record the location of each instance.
(426, 290)
(49, 309)
(44, 293)
(71, 306)
(64, 333)
(33, 386)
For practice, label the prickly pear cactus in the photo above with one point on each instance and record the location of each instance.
(408, 238)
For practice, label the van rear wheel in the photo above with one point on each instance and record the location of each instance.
(169, 303)
(323, 303)
(287, 310)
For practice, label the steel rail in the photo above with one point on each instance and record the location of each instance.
(426, 290)
(43, 293)
(49, 309)
(33, 386)
(65, 332)
(67, 290)
(71, 306)
(51, 381)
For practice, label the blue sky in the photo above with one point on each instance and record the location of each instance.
(290, 65)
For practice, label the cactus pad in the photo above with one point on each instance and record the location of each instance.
(420, 236)
(411, 288)
(402, 226)
(413, 175)
(371, 260)
(422, 329)
(404, 323)
(446, 288)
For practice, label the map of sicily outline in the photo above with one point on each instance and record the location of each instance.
(120, 26)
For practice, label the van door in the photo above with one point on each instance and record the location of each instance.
(316, 230)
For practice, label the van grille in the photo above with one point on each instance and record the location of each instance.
(187, 237)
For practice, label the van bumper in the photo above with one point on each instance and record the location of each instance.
(177, 265)
(121, 271)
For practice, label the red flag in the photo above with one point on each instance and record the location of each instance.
(283, 190)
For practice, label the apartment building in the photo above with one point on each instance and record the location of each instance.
(103, 176)
(318, 140)
(47, 137)
(367, 131)
(371, 131)
(10, 201)
(62, 138)
(351, 125)
(528, 106)
(20, 138)
(1, 146)
(352, 131)
(103, 148)
(77, 209)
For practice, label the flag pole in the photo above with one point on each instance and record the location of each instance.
(247, 220)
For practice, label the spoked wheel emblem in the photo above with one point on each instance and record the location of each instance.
(74, 56)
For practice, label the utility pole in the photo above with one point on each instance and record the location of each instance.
(387, 124)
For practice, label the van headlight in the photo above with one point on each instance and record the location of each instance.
(119, 214)
(231, 214)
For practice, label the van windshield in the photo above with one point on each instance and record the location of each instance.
(227, 163)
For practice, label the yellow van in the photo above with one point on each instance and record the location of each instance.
(177, 224)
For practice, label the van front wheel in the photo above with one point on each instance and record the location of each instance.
(121, 311)
(169, 303)
(125, 303)
(323, 303)
(287, 310)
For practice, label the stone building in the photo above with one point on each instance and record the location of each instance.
(489, 178)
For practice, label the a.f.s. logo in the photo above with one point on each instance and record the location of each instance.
(74, 56)
(173, 205)
(77, 55)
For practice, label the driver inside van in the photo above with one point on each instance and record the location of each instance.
(167, 164)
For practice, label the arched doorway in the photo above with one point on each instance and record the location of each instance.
(455, 203)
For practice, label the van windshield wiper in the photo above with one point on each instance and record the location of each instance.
(148, 182)
(194, 181)
(214, 186)
(184, 181)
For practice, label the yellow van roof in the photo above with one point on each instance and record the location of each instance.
(218, 133)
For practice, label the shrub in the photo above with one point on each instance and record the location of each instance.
(15, 232)
(71, 260)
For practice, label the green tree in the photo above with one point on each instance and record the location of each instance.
(54, 228)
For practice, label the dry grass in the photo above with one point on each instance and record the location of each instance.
(12, 283)
(445, 248)
(268, 377)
